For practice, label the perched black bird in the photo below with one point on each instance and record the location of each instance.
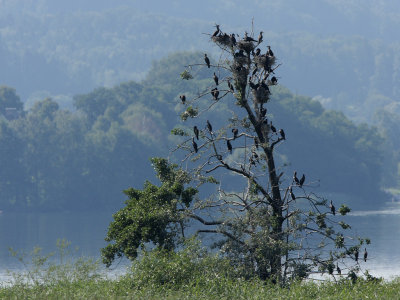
(215, 79)
(235, 132)
(209, 127)
(332, 207)
(356, 255)
(258, 51)
(296, 180)
(194, 145)
(233, 39)
(231, 86)
(229, 145)
(282, 133)
(216, 31)
(260, 37)
(248, 38)
(183, 98)
(256, 142)
(252, 85)
(302, 179)
(207, 60)
(274, 80)
(338, 269)
(196, 132)
(292, 194)
(365, 255)
(215, 93)
(273, 128)
(240, 53)
(269, 52)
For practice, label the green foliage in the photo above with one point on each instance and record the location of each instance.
(151, 215)
(344, 209)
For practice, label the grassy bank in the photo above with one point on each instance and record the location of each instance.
(189, 274)
(219, 289)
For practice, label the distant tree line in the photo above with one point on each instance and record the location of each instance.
(55, 159)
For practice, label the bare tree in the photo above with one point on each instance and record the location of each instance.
(273, 226)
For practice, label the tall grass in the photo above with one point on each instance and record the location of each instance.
(191, 273)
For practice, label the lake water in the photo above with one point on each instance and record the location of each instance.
(24, 231)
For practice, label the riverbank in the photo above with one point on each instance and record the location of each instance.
(223, 288)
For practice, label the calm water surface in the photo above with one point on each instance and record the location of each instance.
(24, 231)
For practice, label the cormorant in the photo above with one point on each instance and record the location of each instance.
(229, 145)
(233, 39)
(269, 52)
(256, 142)
(215, 93)
(235, 132)
(356, 255)
(292, 194)
(302, 179)
(258, 51)
(365, 255)
(248, 38)
(282, 133)
(296, 180)
(216, 31)
(215, 79)
(260, 37)
(252, 85)
(338, 269)
(231, 86)
(196, 132)
(209, 127)
(183, 98)
(240, 53)
(207, 60)
(274, 80)
(194, 145)
(273, 128)
(333, 209)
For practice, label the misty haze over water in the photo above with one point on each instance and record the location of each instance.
(344, 54)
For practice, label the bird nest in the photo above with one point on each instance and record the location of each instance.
(240, 60)
(223, 40)
(246, 46)
(264, 61)
(261, 95)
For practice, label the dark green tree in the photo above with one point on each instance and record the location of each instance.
(268, 223)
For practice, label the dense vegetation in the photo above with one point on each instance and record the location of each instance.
(84, 158)
(190, 273)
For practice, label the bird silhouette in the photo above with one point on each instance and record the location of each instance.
(356, 255)
(296, 180)
(282, 133)
(207, 60)
(209, 127)
(365, 255)
(302, 179)
(332, 207)
(260, 37)
(229, 145)
(183, 98)
(216, 31)
(338, 269)
(235, 132)
(194, 145)
(269, 52)
(215, 78)
(196, 132)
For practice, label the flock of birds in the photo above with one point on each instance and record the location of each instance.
(262, 84)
